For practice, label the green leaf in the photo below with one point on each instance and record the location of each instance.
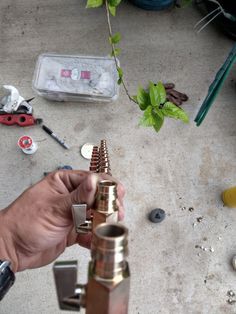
(171, 110)
(120, 72)
(115, 38)
(116, 52)
(147, 119)
(94, 3)
(151, 118)
(135, 99)
(162, 92)
(114, 3)
(154, 95)
(158, 112)
(158, 123)
(112, 10)
(184, 3)
(143, 98)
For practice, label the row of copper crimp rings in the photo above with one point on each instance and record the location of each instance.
(104, 163)
(94, 163)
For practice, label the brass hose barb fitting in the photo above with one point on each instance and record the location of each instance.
(107, 290)
(109, 250)
(105, 208)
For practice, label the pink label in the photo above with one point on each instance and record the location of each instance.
(65, 73)
(85, 75)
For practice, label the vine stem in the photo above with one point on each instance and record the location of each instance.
(114, 53)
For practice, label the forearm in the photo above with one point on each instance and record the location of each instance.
(7, 250)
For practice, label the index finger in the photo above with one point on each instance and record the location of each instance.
(70, 179)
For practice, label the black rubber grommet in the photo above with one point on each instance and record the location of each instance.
(157, 215)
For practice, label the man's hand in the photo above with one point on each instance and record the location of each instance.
(37, 227)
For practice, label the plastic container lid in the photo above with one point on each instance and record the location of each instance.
(76, 78)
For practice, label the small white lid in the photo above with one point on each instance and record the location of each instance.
(86, 150)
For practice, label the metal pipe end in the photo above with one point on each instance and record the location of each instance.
(109, 250)
(106, 186)
(110, 236)
(106, 196)
(110, 232)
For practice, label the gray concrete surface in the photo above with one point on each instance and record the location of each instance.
(182, 166)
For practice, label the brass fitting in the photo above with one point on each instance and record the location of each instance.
(109, 276)
(105, 208)
(107, 290)
(100, 159)
(94, 159)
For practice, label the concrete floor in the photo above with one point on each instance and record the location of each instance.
(182, 166)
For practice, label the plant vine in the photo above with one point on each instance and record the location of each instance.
(154, 100)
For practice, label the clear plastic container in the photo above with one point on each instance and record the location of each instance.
(76, 78)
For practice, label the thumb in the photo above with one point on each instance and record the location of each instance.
(85, 193)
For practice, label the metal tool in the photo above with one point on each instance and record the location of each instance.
(105, 208)
(107, 290)
(14, 109)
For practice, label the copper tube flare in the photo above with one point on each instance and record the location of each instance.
(93, 169)
(93, 163)
(94, 160)
(100, 159)
(104, 170)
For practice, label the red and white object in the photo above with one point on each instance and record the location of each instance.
(27, 145)
(76, 78)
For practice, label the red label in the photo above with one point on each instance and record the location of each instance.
(85, 75)
(25, 142)
(65, 73)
